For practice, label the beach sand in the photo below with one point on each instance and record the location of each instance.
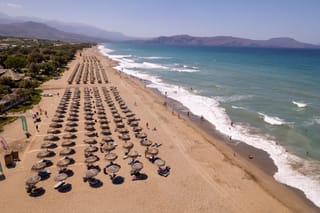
(206, 175)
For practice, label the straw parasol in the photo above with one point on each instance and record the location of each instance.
(146, 142)
(69, 136)
(67, 143)
(88, 113)
(116, 115)
(91, 122)
(117, 120)
(112, 168)
(90, 173)
(120, 125)
(33, 180)
(105, 132)
(63, 162)
(108, 147)
(123, 130)
(89, 140)
(102, 117)
(73, 114)
(72, 118)
(124, 137)
(105, 126)
(91, 149)
(133, 154)
(60, 111)
(60, 177)
(44, 153)
(103, 121)
(132, 119)
(91, 159)
(72, 124)
(137, 166)
(39, 165)
(53, 131)
(131, 114)
(50, 138)
(70, 129)
(89, 127)
(57, 120)
(55, 125)
(66, 151)
(90, 134)
(142, 135)
(47, 144)
(111, 156)
(59, 115)
(152, 151)
(101, 112)
(159, 162)
(137, 129)
(128, 145)
(134, 123)
(88, 117)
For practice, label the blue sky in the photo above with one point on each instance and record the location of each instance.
(256, 19)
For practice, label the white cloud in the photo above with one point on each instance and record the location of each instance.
(13, 5)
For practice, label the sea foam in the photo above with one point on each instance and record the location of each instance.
(210, 108)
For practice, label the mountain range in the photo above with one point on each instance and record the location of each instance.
(32, 27)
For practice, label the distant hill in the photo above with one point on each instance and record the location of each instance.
(76, 28)
(42, 31)
(228, 41)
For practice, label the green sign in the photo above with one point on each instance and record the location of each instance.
(24, 123)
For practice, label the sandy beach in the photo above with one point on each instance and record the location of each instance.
(206, 175)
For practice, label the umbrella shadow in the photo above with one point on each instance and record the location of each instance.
(118, 180)
(140, 176)
(65, 188)
(37, 192)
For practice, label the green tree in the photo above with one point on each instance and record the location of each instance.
(15, 62)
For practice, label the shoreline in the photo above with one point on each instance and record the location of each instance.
(205, 175)
(261, 159)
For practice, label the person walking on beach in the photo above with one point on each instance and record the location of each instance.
(147, 125)
(37, 127)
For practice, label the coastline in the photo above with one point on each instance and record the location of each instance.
(206, 177)
(237, 152)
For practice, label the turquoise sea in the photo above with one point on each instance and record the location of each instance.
(270, 96)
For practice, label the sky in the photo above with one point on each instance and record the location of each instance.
(255, 19)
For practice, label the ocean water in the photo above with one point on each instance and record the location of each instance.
(267, 98)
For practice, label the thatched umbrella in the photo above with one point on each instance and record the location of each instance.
(89, 140)
(137, 166)
(72, 124)
(127, 110)
(88, 117)
(72, 118)
(73, 114)
(142, 135)
(47, 145)
(44, 154)
(128, 145)
(117, 120)
(134, 123)
(70, 129)
(116, 115)
(89, 127)
(67, 143)
(91, 173)
(123, 130)
(91, 148)
(59, 115)
(91, 159)
(105, 126)
(137, 129)
(112, 168)
(63, 162)
(144, 142)
(88, 113)
(60, 111)
(159, 162)
(53, 131)
(108, 147)
(107, 139)
(123, 107)
(90, 134)
(89, 122)
(67, 151)
(120, 125)
(61, 177)
(101, 112)
(55, 125)
(102, 117)
(105, 132)
(69, 136)
(152, 151)
(39, 166)
(103, 121)
(75, 110)
(33, 180)
(111, 156)
(51, 138)
(133, 154)
(129, 115)
(125, 137)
